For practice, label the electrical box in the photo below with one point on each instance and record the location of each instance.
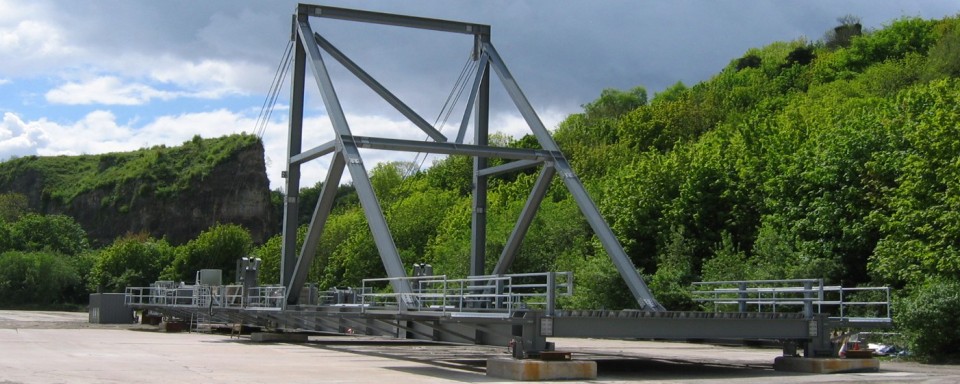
(210, 277)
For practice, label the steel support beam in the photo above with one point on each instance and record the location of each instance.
(510, 167)
(317, 152)
(523, 223)
(680, 328)
(361, 180)
(328, 194)
(395, 20)
(609, 240)
(478, 229)
(379, 89)
(288, 251)
(482, 68)
(447, 148)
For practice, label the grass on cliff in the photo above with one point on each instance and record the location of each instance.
(160, 170)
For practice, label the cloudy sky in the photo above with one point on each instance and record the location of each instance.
(87, 77)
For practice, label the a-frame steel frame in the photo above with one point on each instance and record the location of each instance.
(346, 155)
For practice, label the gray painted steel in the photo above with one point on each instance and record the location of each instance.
(379, 89)
(512, 166)
(315, 153)
(478, 222)
(109, 308)
(683, 325)
(308, 46)
(447, 148)
(523, 223)
(361, 180)
(294, 145)
(394, 19)
(328, 195)
(609, 240)
(482, 68)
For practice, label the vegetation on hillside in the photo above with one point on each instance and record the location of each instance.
(834, 159)
(159, 171)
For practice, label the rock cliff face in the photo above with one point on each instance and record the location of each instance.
(234, 190)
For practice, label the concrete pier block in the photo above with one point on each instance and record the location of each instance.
(512, 369)
(266, 337)
(828, 365)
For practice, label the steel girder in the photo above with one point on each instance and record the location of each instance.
(346, 155)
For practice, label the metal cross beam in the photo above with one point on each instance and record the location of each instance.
(393, 19)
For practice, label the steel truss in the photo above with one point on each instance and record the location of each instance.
(417, 312)
(309, 53)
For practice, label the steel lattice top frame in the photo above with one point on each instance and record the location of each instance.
(346, 155)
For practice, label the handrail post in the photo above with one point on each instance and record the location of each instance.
(888, 301)
(741, 297)
(841, 303)
(808, 299)
(551, 293)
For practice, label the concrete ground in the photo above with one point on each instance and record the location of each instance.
(59, 347)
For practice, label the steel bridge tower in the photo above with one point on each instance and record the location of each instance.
(345, 151)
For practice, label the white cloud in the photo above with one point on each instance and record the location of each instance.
(210, 78)
(37, 44)
(18, 138)
(107, 90)
(4, 81)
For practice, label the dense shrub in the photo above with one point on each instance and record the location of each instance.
(55, 233)
(930, 319)
(132, 261)
(216, 248)
(36, 278)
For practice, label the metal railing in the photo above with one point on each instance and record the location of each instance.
(205, 296)
(811, 295)
(499, 295)
(491, 294)
(269, 296)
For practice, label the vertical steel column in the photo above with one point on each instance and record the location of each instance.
(361, 180)
(291, 204)
(478, 234)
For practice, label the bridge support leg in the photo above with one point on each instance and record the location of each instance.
(819, 344)
(529, 339)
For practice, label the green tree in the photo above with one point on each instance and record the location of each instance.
(930, 319)
(614, 103)
(57, 233)
(6, 242)
(35, 279)
(920, 211)
(216, 248)
(12, 206)
(131, 261)
(728, 263)
(674, 274)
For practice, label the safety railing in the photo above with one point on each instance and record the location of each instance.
(852, 305)
(205, 296)
(492, 294)
(270, 296)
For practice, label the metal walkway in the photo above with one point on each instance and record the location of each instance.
(494, 310)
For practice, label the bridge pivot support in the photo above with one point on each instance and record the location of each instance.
(527, 369)
(824, 365)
